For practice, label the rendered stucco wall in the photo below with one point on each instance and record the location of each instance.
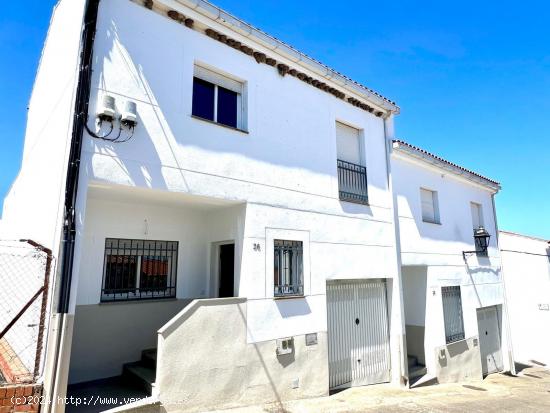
(205, 362)
(460, 361)
(526, 266)
(100, 340)
(283, 168)
(33, 207)
(414, 297)
(106, 336)
(438, 248)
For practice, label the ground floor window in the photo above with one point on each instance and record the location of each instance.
(139, 269)
(288, 269)
(452, 313)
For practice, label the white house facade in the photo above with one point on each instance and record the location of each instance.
(526, 265)
(254, 182)
(454, 300)
(239, 225)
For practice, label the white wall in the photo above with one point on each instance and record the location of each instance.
(33, 208)
(439, 247)
(288, 154)
(284, 167)
(526, 266)
(414, 284)
(193, 225)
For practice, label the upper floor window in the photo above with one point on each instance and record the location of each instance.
(288, 268)
(452, 313)
(477, 215)
(217, 98)
(139, 269)
(352, 175)
(430, 206)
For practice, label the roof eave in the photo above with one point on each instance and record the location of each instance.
(413, 152)
(277, 46)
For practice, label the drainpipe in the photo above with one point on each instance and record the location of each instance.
(63, 325)
(403, 366)
(507, 316)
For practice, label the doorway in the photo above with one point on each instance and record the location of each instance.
(226, 266)
(488, 324)
(358, 332)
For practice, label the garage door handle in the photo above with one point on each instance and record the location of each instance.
(357, 321)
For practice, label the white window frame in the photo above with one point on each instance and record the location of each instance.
(435, 206)
(228, 82)
(360, 140)
(477, 209)
(271, 234)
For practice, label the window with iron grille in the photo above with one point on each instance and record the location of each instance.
(139, 269)
(452, 313)
(352, 175)
(288, 269)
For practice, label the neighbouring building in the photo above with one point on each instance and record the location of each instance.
(526, 265)
(453, 289)
(233, 222)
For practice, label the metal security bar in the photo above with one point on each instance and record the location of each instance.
(452, 313)
(288, 270)
(139, 269)
(352, 182)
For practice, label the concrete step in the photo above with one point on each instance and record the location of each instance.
(412, 361)
(417, 371)
(149, 358)
(140, 374)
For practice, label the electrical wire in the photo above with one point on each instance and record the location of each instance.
(104, 137)
(132, 128)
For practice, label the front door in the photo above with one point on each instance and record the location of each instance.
(489, 339)
(227, 266)
(359, 350)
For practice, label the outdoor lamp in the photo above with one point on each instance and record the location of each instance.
(481, 240)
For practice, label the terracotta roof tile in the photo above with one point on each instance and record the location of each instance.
(440, 159)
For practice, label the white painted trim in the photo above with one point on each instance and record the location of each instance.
(272, 234)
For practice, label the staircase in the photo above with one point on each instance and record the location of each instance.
(416, 370)
(142, 373)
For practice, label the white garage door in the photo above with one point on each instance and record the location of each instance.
(359, 345)
(488, 326)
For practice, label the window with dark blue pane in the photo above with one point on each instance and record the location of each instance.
(203, 99)
(227, 107)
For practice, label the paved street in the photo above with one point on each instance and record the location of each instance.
(528, 392)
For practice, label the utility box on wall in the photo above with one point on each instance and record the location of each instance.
(285, 345)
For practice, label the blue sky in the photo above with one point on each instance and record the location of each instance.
(472, 79)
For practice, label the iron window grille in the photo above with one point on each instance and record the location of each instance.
(452, 313)
(288, 269)
(352, 182)
(139, 269)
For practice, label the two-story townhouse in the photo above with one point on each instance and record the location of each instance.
(200, 158)
(453, 289)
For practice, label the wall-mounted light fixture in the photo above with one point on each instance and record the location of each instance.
(481, 241)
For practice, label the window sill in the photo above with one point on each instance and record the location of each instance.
(354, 201)
(134, 300)
(219, 124)
(431, 222)
(288, 297)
